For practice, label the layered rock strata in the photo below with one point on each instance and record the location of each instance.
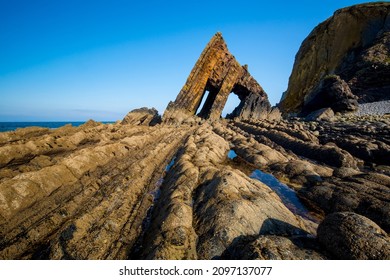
(215, 75)
(206, 204)
(146, 189)
(142, 116)
(80, 193)
(116, 191)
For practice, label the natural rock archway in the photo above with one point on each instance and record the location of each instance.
(215, 75)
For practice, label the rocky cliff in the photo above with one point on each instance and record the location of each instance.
(343, 60)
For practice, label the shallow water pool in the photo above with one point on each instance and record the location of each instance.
(286, 194)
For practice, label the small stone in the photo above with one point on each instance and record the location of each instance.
(324, 114)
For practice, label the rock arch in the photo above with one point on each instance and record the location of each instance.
(218, 73)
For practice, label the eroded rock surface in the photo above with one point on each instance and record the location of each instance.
(118, 191)
(324, 114)
(351, 236)
(332, 92)
(138, 190)
(89, 197)
(142, 116)
(271, 247)
(208, 204)
(218, 73)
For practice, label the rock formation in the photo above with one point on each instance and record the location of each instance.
(351, 236)
(324, 114)
(142, 116)
(353, 44)
(117, 191)
(145, 189)
(273, 247)
(219, 74)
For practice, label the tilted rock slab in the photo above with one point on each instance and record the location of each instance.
(113, 191)
(205, 205)
(218, 72)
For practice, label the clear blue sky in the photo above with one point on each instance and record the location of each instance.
(70, 60)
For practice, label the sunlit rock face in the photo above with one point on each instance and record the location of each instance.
(352, 47)
(142, 116)
(215, 75)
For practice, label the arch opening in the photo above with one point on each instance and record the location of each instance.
(202, 102)
(231, 105)
(207, 101)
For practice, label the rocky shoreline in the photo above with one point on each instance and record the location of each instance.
(87, 192)
(309, 179)
(378, 108)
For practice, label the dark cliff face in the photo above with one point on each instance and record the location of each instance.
(354, 45)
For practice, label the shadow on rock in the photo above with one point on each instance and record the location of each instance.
(291, 243)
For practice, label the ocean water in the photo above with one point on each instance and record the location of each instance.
(10, 126)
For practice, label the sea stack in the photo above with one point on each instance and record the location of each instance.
(218, 73)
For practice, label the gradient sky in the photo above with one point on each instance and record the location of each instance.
(72, 60)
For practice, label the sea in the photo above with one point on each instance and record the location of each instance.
(10, 126)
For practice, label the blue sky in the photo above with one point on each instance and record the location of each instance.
(72, 60)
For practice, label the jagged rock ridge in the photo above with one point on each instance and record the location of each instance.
(218, 73)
